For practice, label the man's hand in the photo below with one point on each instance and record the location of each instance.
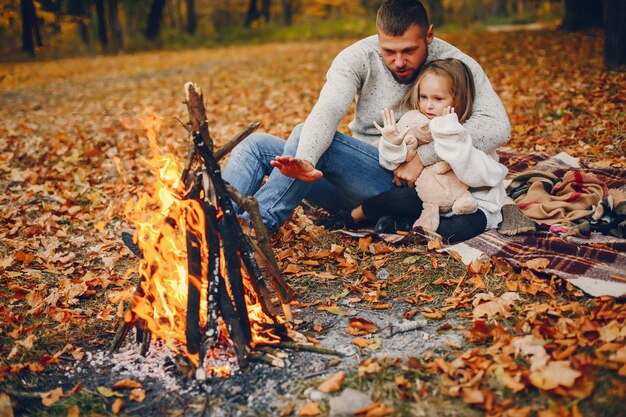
(406, 174)
(297, 168)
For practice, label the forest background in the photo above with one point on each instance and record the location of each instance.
(58, 28)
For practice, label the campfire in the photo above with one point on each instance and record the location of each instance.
(201, 288)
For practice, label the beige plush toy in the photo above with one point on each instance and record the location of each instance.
(438, 187)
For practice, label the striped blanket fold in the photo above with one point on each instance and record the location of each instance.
(596, 264)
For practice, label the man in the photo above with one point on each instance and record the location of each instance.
(337, 171)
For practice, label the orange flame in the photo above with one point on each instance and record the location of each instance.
(161, 218)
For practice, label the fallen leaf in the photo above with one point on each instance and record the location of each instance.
(126, 383)
(374, 410)
(369, 366)
(537, 263)
(554, 374)
(108, 392)
(51, 397)
(361, 342)
(494, 305)
(338, 311)
(309, 409)
(333, 383)
(117, 405)
(137, 394)
(359, 327)
(473, 396)
(73, 411)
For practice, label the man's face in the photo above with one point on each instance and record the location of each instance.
(404, 55)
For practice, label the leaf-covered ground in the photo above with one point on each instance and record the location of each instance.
(73, 153)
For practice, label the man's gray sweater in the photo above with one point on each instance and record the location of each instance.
(359, 72)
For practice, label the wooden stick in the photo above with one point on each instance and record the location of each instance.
(194, 279)
(306, 348)
(234, 141)
(249, 204)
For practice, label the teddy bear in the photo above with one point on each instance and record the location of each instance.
(437, 186)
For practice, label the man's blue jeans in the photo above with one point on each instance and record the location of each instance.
(350, 166)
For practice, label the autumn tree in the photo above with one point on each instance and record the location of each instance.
(30, 28)
(435, 11)
(155, 16)
(114, 24)
(615, 33)
(287, 7)
(582, 15)
(191, 16)
(103, 35)
(252, 14)
(79, 10)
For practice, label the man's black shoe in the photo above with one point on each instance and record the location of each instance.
(339, 220)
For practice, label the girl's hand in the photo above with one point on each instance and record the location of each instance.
(390, 131)
(448, 110)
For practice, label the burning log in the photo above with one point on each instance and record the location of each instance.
(226, 299)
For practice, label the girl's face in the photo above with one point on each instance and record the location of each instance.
(434, 95)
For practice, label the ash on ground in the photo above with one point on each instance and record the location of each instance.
(263, 390)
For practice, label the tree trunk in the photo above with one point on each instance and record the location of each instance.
(191, 17)
(30, 30)
(435, 12)
(116, 31)
(154, 19)
(582, 15)
(102, 24)
(265, 10)
(615, 34)
(252, 14)
(80, 9)
(287, 11)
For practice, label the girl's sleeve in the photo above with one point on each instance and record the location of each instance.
(453, 144)
(391, 156)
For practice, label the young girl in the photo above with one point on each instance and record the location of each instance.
(444, 94)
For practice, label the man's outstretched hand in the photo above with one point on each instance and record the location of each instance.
(297, 168)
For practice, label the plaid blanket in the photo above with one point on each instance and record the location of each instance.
(597, 264)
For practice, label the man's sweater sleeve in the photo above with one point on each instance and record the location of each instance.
(489, 124)
(453, 143)
(340, 89)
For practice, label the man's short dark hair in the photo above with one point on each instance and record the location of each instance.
(395, 16)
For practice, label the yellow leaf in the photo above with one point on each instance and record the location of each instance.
(338, 311)
(434, 244)
(333, 383)
(309, 409)
(51, 397)
(376, 345)
(108, 392)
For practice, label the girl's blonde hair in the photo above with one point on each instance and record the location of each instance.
(461, 83)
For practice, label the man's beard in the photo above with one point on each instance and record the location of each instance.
(408, 80)
(413, 76)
